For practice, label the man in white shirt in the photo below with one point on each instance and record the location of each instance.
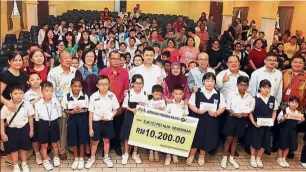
(270, 73)
(227, 79)
(60, 77)
(151, 73)
(122, 13)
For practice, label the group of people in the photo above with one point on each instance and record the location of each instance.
(79, 87)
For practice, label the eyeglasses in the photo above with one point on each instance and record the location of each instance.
(243, 85)
(115, 59)
(138, 83)
(104, 85)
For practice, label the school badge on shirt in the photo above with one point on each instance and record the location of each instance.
(216, 101)
(271, 105)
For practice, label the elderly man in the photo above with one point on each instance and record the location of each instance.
(195, 75)
(60, 77)
(119, 83)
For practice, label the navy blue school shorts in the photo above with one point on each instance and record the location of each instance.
(77, 129)
(48, 131)
(103, 129)
(18, 139)
(35, 136)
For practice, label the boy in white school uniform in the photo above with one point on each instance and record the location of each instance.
(19, 129)
(176, 108)
(47, 111)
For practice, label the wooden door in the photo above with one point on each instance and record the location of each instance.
(216, 9)
(42, 11)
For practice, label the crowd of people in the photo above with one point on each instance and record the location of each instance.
(82, 84)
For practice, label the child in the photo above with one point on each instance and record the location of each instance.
(259, 137)
(288, 137)
(239, 107)
(16, 135)
(137, 60)
(32, 96)
(75, 105)
(157, 102)
(75, 62)
(103, 107)
(136, 95)
(166, 55)
(206, 104)
(47, 112)
(176, 108)
(122, 48)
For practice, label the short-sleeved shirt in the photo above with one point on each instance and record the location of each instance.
(65, 100)
(177, 109)
(235, 101)
(208, 95)
(10, 80)
(22, 117)
(99, 105)
(48, 111)
(265, 100)
(135, 97)
(288, 111)
(30, 96)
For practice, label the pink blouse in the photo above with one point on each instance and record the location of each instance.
(188, 54)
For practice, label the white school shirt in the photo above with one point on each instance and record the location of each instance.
(208, 95)
(134, 97)
(131, 51)
(235, 100)
(281, 114)
(99, 104)
(65, 101)
(30, 96)
(275, 77)
(22, 117)
(265, 99)
(230, 85)
(151, 76)
(177, 109)
(94, 38)
(48, 111)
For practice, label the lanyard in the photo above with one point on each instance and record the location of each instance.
(296, 79)
(49, 112)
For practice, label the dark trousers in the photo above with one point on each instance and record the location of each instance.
(118, 121)
(303, 155)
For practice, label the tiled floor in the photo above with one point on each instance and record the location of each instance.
(212, 163)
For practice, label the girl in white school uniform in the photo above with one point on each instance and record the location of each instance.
(33, 95)
(259, 137)
(103, 106)
(136, 95)
(206, 104)
(47, 111)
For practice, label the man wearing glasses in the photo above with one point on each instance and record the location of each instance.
(119, 83)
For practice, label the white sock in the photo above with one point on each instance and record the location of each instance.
(76, 159)
(81, 158)
(93, 157)
(151, 152)
(37, 153)
(225, 157)
(46, 160)
(258, 158)
(253, 157)
(105, 155)
(16, 165)
(231, 158)
(24, 163)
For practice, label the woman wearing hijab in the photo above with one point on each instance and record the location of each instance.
(175, 77)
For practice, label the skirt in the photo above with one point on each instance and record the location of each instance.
(287, 139)
(259, 137)
(127, 125)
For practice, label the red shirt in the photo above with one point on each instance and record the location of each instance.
(258, 58)
(43, 74)
(119, 82)
(174, 54)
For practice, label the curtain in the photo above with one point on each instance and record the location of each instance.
(244, 11)
(285, 17)
(235, 13)
(19, 6)
(10, 7)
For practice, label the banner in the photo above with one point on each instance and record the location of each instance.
(158, 130)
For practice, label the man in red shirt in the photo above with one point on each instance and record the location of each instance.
(119, 83)
(179, 24)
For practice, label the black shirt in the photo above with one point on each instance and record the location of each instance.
(10, 80)
(245, 34)
(215, 57)
(281, 59)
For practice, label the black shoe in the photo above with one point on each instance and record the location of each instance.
(290, 155)
(267, 152)
(274, 149)
(212, 152)
(118, 151)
